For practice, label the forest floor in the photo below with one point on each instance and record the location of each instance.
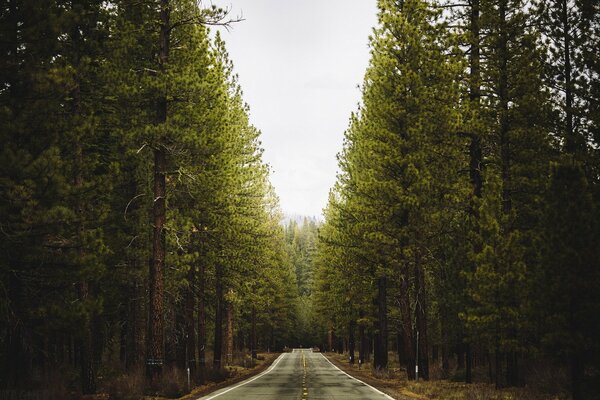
(394, 383)
(131, 387)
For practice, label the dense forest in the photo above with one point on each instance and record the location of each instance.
(462, 233)
(140, 233)
(141, 237)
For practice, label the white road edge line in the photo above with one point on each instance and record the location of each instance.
(356, 379)
(249, 380)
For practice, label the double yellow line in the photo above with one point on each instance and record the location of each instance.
(304, 386)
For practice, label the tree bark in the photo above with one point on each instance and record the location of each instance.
(190, 332)
(201, 298)
(380, 357)
(421, 316)
(156, 337)
(570, 139)
(475, 147)
(229, 331)
(362, 343)
(330, 337)
(351, 345)
(503, 100)
(218, 336)
(88, 375)
(407, 328)
(253, 334)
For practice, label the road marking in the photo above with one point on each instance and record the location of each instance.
(249, 380)
(356, 379)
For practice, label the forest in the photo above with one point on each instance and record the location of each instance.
(462, 232)
(142, 238)
(140, 233)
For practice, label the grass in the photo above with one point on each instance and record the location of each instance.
(393, 382)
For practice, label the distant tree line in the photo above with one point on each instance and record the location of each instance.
(140, 234)
(467, 211)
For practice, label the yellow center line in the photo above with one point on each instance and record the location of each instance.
(304, 388)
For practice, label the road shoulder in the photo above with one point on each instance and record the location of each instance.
(391, 386)
(240, 375)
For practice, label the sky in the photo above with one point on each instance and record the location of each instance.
(299, 64)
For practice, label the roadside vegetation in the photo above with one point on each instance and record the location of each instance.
(462, 232)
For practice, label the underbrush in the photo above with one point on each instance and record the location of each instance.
(544, 382)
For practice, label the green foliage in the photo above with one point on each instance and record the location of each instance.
(80, 88)
(448, 98)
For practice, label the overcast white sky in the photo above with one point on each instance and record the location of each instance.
(299, 63)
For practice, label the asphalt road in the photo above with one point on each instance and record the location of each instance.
(299, 375)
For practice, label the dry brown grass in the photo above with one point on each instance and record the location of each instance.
(394, 382)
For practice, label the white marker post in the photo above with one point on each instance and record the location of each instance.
(417, 360)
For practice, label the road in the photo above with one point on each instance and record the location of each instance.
(299, 375)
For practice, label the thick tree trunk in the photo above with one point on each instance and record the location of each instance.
(229, 331)
(362, 344)
(253, 334)
(351, 345)
(156, 344)
(475, 147)
(190, 332)
(445, 361)
(86, 352)
(407, 328)
(570, 139)
(504, 99)
(156, 337)
(512, 369)
(380, 357)
(421, 316)
(132, 330)
(460, 356)
(498, 361)
(218, 336)
(576, 374)
(201, 279)
(400, 346)
(468, 362)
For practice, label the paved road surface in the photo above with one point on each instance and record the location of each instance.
(300, 375)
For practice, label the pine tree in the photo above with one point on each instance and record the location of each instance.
(568, 280)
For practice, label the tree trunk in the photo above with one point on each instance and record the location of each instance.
(421, 316)
(253, 334)
(351, 328)
(570, 139)
(512, 369)
(445, 361)
(201, 319)
(407, 328)
(190, 332)
(88, 376)
(400, 346)
(380, 359)
(156, 338)
(469, 363)
(229, 331)
(201, 338)
(362, 344)
(218, 337)
(156, 329)
(498, 360)
(503, 100)
(475, 148)
(576, 371)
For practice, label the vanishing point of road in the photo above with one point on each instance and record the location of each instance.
(300, 375)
